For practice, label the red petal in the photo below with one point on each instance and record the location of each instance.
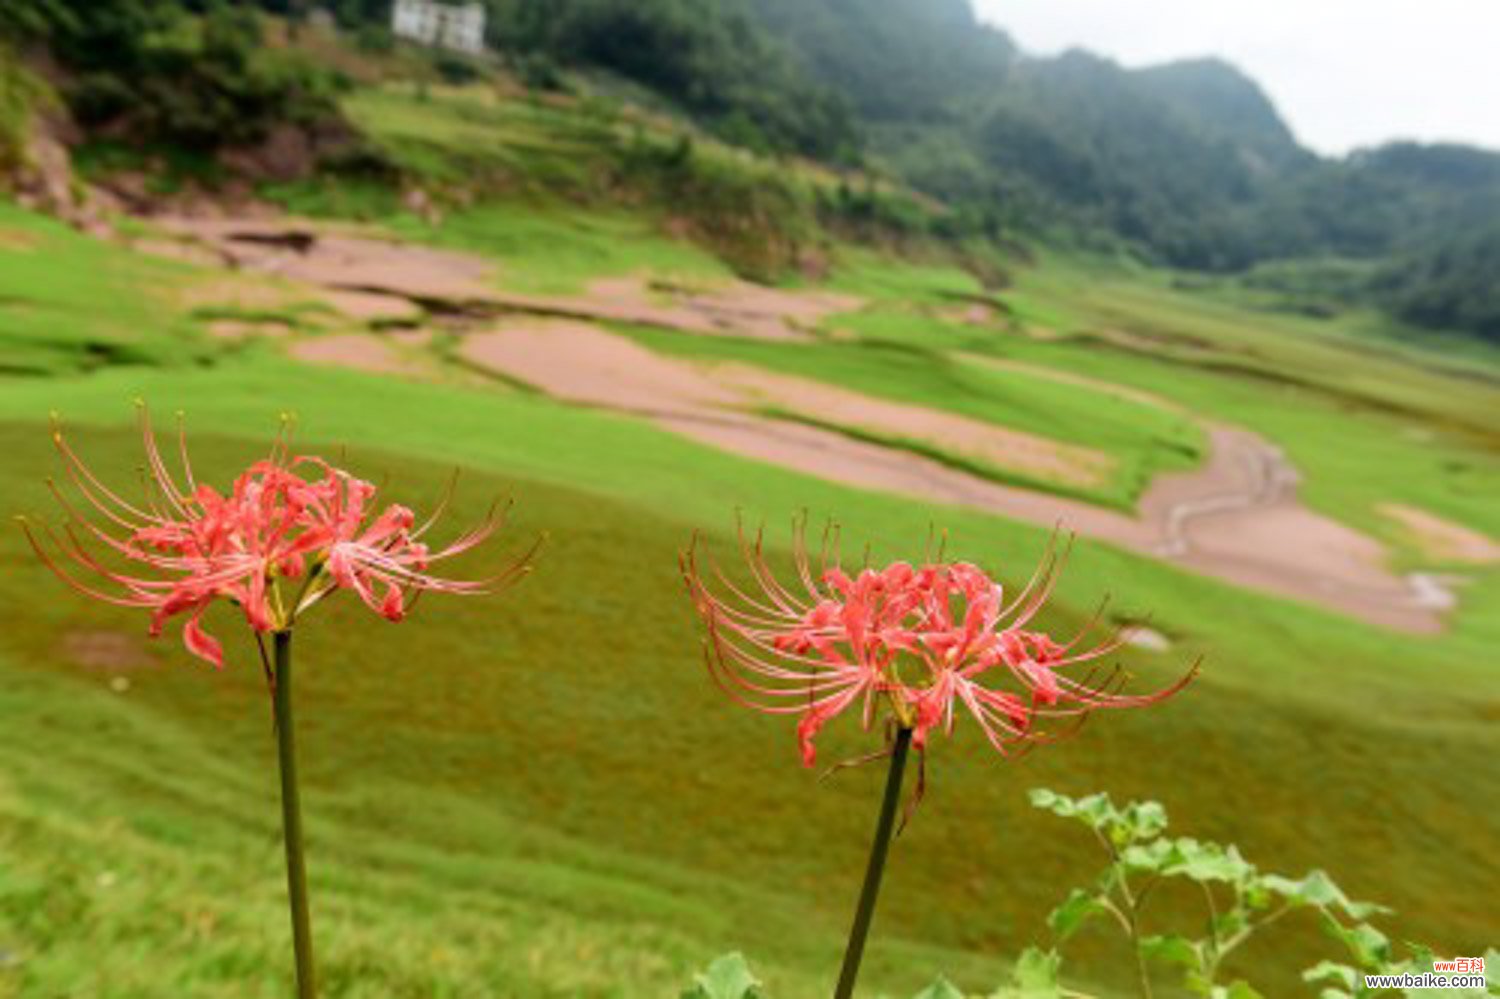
(201, 644)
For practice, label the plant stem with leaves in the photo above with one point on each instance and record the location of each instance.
(1127, 910)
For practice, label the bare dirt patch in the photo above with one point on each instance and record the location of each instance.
(322, 256)
(368, 306)
(360, 351)
(734, 309)
(586, 364)
(1442, 539)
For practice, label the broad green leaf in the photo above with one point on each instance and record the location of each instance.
(1045, 798)
(1037, 968)
(1097, 810)
(1033, 977)
(1370, 948)
(1079, 908)
(1146, 819)
(1255, 894)
(1154, 856)
(1172, 949)
(940, 989)
(1318, 889)
(1332, 971)
(1199, 861)
(728, 977)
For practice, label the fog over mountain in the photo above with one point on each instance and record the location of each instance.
(1328, 64)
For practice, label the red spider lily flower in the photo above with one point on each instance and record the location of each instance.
(918, 642)
(289, 532)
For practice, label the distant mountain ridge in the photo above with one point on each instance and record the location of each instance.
(1190, 162)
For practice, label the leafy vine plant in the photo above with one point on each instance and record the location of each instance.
(1239, 901)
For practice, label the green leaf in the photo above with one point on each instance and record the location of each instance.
(1317, 889)
(1154, 856)
(1255, 894)
(1045, 799)
(940, 989)
(1331, 971)
(1097, 810)
(1172, 949)
(728, 977)
(1033, 977)
(1208, 862)
(1145, 819)
(1080, 907)
(1369, 947)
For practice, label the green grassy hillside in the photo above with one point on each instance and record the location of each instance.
(544, 794)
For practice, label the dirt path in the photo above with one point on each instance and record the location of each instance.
(1236, 518)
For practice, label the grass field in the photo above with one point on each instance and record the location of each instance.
(544, 795)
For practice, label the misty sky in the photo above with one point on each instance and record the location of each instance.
(1344, 73)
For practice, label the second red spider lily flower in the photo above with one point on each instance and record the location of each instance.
(290, 532)
(915, 645)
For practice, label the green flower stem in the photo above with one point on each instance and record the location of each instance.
(291, 818)
(886, 825)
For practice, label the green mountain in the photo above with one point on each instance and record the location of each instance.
(1220, 102)
(1190, 162)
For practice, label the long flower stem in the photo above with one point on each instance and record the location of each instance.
(878, 851)
(291, 818)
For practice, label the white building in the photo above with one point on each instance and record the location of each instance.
(451, 26)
